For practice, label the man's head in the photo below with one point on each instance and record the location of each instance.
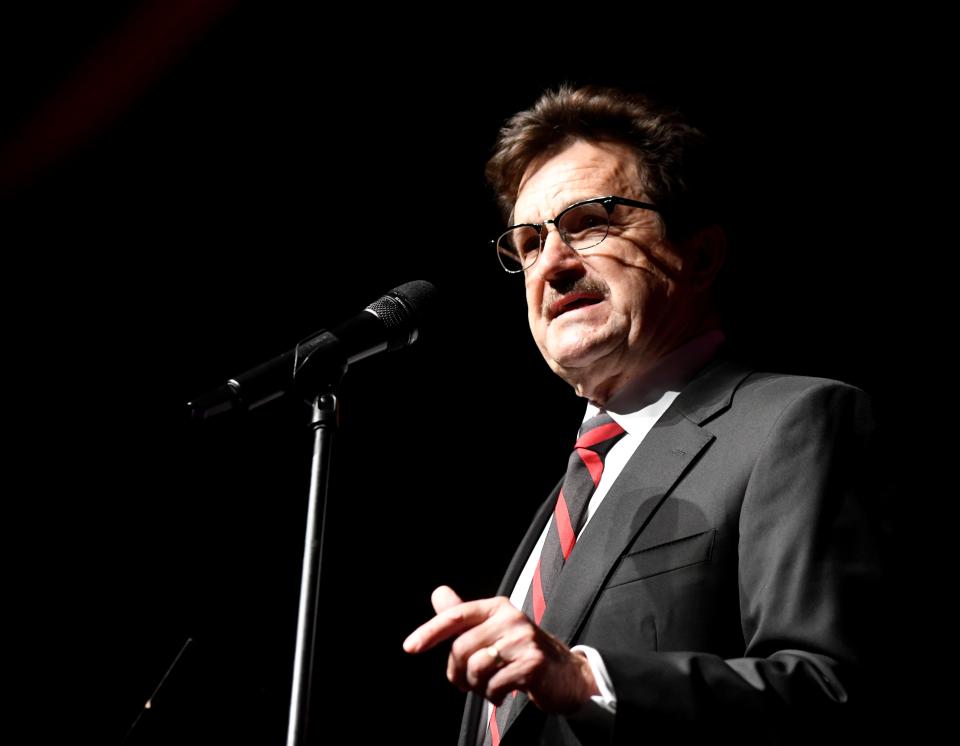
(604, 315)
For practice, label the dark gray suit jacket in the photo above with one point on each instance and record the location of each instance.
(730, 579)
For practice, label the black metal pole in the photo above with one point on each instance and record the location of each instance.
(324, 424)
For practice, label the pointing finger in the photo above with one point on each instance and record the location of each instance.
(443, 598)
(450, 622)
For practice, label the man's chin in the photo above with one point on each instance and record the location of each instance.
(571, 350)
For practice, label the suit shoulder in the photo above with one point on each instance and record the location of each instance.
(762, 399)
(785, 388)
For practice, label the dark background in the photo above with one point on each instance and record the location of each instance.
(190, 188)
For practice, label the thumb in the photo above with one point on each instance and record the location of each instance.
(443, 598)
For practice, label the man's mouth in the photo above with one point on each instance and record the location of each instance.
(571, 302)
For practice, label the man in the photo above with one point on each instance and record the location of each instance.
(709, 565)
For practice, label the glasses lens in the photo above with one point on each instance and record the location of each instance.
(517, 249)
(584, 226)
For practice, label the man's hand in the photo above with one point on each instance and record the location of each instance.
(498, 649)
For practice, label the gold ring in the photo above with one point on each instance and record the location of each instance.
(494, 652)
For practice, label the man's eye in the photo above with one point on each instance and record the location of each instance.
(585, 224)
(530, 244)
(588, 220)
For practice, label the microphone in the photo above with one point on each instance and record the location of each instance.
(389, 323)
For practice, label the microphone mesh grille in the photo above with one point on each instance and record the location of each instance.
(389, 311)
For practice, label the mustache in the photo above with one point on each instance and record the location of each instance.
(560, 288)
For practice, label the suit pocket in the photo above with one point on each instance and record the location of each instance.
(646, 561)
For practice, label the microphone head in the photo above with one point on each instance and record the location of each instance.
(402, 309)
(418, 293)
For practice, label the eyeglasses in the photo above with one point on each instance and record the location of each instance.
(582, 225)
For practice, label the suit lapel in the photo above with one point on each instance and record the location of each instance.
(645, 481)
(667, 451)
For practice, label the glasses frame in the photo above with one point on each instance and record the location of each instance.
(608, 202)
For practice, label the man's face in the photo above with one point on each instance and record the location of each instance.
(604, 315)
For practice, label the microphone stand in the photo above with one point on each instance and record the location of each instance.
(316, 377)
(324, 425)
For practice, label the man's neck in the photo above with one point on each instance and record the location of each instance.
(670, 373)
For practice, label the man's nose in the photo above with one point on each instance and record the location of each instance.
(556, 258)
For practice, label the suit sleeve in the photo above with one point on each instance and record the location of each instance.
(809, 571)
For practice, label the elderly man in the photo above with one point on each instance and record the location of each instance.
(708, 565)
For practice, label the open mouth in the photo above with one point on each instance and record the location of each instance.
(572, 302)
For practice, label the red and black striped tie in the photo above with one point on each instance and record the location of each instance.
(597, 436)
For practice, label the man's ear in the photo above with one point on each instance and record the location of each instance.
(707, 250)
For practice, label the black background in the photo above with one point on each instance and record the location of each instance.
(260, 184)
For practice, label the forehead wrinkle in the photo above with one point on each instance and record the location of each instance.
(568, 182)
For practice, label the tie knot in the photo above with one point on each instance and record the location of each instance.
(597, 429)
